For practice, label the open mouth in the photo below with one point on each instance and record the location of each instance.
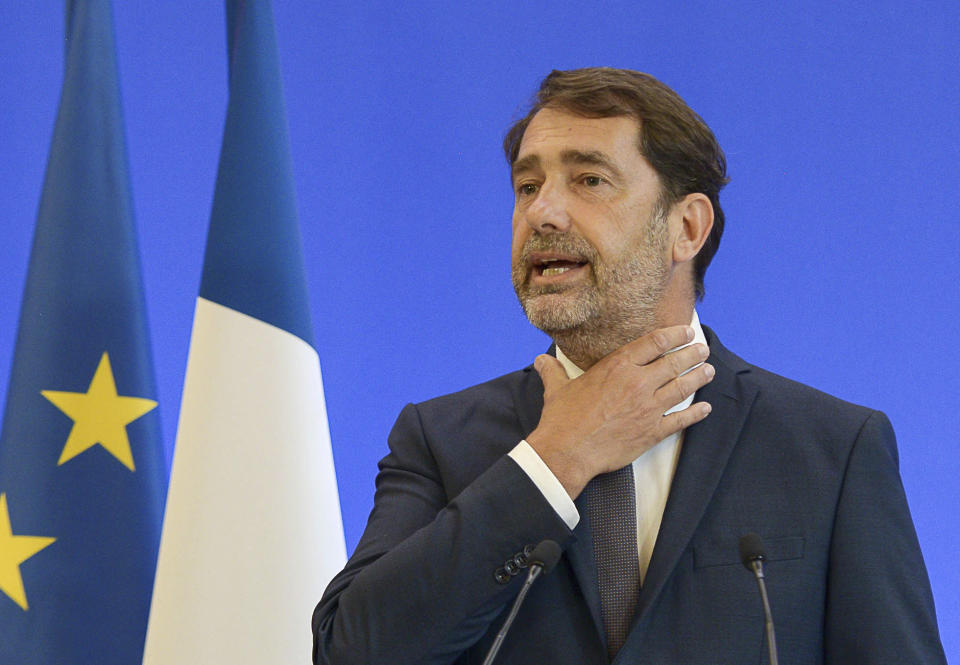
(551, 266)
(556, 267)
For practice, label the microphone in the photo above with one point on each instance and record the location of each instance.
(542, 560)
(752, 555)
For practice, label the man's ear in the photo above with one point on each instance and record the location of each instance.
(695, 214)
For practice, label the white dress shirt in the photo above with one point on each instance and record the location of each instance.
(652, 472)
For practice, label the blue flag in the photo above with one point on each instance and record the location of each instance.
(82, 472)
(252, 532)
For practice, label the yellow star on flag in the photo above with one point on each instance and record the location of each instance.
(14, 550)
(99, 416)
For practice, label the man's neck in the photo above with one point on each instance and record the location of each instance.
(585, 347)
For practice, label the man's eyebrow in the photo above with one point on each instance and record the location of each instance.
(528, 163)
(589, 157)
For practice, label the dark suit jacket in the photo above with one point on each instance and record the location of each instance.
(816, 477)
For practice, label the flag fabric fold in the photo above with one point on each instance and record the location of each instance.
(253, 529)
(82, 474)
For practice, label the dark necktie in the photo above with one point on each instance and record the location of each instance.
(612, 510)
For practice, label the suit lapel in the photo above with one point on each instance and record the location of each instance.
(583, 562)
(706, 449)
(528, 398)
(579, 553)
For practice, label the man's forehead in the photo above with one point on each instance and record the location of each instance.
(563, 133)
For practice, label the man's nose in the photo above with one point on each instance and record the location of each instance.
(547, 213)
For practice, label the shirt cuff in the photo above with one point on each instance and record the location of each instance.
(541, 475)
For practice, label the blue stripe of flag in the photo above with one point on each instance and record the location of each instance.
(254, 261)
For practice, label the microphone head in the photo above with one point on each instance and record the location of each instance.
(546, 555)
(751, 549)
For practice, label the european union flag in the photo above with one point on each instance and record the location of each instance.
(81, 463)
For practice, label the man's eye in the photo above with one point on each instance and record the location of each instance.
(592, 181)
(527, 189)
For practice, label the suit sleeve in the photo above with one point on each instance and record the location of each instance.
(879, 605)
(420, 587)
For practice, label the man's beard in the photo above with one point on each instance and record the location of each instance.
(615, 305)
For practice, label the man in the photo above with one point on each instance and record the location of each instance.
(643, 447)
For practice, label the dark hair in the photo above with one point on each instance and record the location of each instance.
(673, 138)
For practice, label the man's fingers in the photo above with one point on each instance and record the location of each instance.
(651, 346)
(674, 364)
(551, 371)
(680, 388)
(679, 420)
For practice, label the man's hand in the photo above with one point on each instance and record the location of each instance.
(611, 415)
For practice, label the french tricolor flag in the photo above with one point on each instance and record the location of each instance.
(252, 530)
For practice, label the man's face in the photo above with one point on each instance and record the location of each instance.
(589, 232)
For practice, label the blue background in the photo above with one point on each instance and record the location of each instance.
(838, 266)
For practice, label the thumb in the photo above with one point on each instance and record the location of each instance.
(551, 371)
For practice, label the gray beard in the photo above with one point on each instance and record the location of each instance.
(617, 305)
